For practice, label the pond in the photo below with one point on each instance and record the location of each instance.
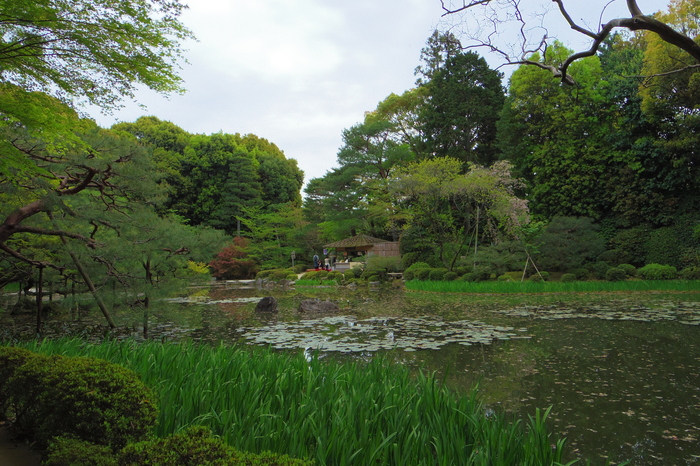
(620, 371)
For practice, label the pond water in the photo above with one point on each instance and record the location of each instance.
(620, 371)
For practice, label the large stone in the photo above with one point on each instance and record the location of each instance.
(267, 304)
(316, 305)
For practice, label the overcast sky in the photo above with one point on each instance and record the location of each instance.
(298, 72)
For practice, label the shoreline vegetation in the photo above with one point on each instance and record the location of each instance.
(508, 287)
(362, 412)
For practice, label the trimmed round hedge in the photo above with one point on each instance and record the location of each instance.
(86, 398)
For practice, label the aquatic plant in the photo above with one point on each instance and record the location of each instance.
(460, 286)
(341, 414)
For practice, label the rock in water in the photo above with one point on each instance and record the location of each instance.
(267, 304)
(316, 305)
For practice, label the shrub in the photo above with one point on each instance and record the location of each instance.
(292, 277)
(569, 242)
(657, 272)
(545, 275)
(11, 358)
(663, 246)
(315, 275)
(383, 265)
(615, 274)
(690, 273)
(568, 277)
(86, 398)
(409, 273)
(536, 278)
(630, 244)
(470, 277)
(422, 274)
(231, 262)
(65, 451)
(437, 275)
(337, 276)
(505, 278)
(197, 446)
(450, 276)
(599, 269)
(629, 269)
(374, 278)
(581, 273)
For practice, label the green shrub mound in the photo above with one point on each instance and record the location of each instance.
(410, 272)
(450, 276)
(437, 275)
(657, 272)
(615, 274)
(86, 398)
(197, 446)
(690, 273)
(422, 274)
(629, 269)
(315, 275)
(66, 451)
(568, 277)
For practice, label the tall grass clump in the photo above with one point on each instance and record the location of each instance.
(337, 414)
(551, 287)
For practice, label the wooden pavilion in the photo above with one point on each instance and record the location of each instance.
(364, 245)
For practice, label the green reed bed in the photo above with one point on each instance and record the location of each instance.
(338, 414)
(553, 287)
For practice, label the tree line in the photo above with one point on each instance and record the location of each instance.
(463, 163)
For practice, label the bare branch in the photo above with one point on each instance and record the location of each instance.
(636, 22)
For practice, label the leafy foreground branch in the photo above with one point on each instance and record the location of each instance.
(341, 414)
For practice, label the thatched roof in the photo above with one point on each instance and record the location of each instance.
(355, 241)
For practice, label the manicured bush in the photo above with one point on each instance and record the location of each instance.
(64, 451)
(197, 446)
(85, 398)
(544, 274)
(657, 272)
(11, 358)
(690, 273)
(568, 277)
(450, 276)
(315, 275)
(292, 277)
(599, 269)
(409, 273)
(505, 278)
(581, 273)
(422, 274)
(437, 275)
(536, 278)
(629, 269)
(615, 274)
(470, 277)
(337, 276)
